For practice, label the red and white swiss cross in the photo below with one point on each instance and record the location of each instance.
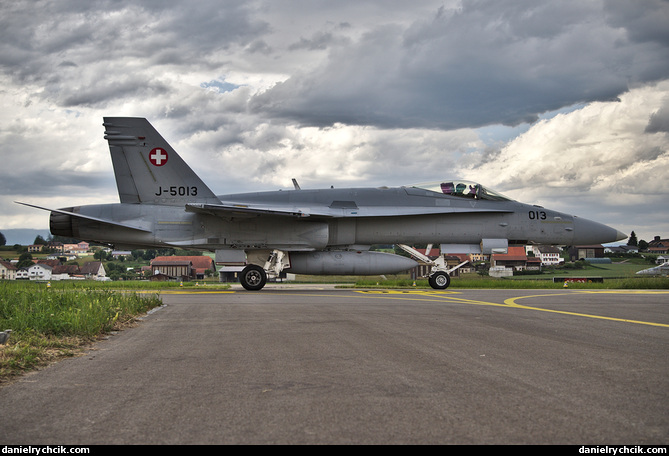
(158, 156)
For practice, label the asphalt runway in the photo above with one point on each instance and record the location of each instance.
(305, 365)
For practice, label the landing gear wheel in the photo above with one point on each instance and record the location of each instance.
(253, 277)
(439, 280)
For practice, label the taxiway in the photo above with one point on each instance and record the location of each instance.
(315, 365)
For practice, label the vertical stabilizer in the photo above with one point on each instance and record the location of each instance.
(147, 169)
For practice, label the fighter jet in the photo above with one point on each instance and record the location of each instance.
(163, 203)
(662, 269)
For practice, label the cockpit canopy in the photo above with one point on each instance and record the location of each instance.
(465, 189)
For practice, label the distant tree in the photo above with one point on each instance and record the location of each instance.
(25, 260)
(39, 240)
(3, 240)
(632, 240)
(643, 245)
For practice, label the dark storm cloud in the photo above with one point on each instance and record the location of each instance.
(488, 62)
(85, 53)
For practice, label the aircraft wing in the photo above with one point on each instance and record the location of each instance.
(237, 209)
(87, 217)
(241, 209)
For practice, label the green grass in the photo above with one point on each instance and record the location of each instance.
(51, 322)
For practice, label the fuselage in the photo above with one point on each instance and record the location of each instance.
(335, 218)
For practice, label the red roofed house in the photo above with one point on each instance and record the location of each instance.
(516, 259)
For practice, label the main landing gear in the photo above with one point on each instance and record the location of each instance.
(440, 280)
(254, 277)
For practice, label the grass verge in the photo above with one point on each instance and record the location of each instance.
(49, 323)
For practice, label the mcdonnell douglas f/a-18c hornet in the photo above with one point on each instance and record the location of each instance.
(324, 231)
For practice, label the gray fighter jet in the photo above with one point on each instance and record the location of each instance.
(163, 203)
(660, 270)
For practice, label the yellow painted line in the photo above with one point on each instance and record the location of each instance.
(511, 302)
(412, 295)
(159, 292)
(405, 292)
(429, 295)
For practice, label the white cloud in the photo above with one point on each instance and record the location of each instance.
(600, 158)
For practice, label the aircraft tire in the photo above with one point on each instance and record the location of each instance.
(439, 280)
(253, 277)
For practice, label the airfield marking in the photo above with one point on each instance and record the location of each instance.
(511, 302)
(439, 295)
(431, 295)
(159, 292)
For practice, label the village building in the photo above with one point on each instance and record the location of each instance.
(514, 259)
(659, 246)
(35, 272)
(7, 271)
(584, 252)
(66, 272)
(182, 267)
(93, 270)
(548, 255)
(79, 248)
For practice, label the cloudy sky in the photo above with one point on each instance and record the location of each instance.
(563, 104)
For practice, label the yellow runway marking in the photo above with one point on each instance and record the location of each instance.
(453, 296)
(420, 295)
(511, 302)
(187, 292)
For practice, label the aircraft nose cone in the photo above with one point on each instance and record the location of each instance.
(589, 232)
(621, 236)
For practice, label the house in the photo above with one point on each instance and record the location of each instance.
(49, 262)
(174, 268)
(35, 272)
(533, 264)
(183, 267)
(94, 270)
(56, 246)
(658, 245)
(35, 248)
(7, 271)
(548, 254)
(81, 247)
(66, 272)
(581, 252)
(515, 259)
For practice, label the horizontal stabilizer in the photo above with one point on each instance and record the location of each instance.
(86, 217)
